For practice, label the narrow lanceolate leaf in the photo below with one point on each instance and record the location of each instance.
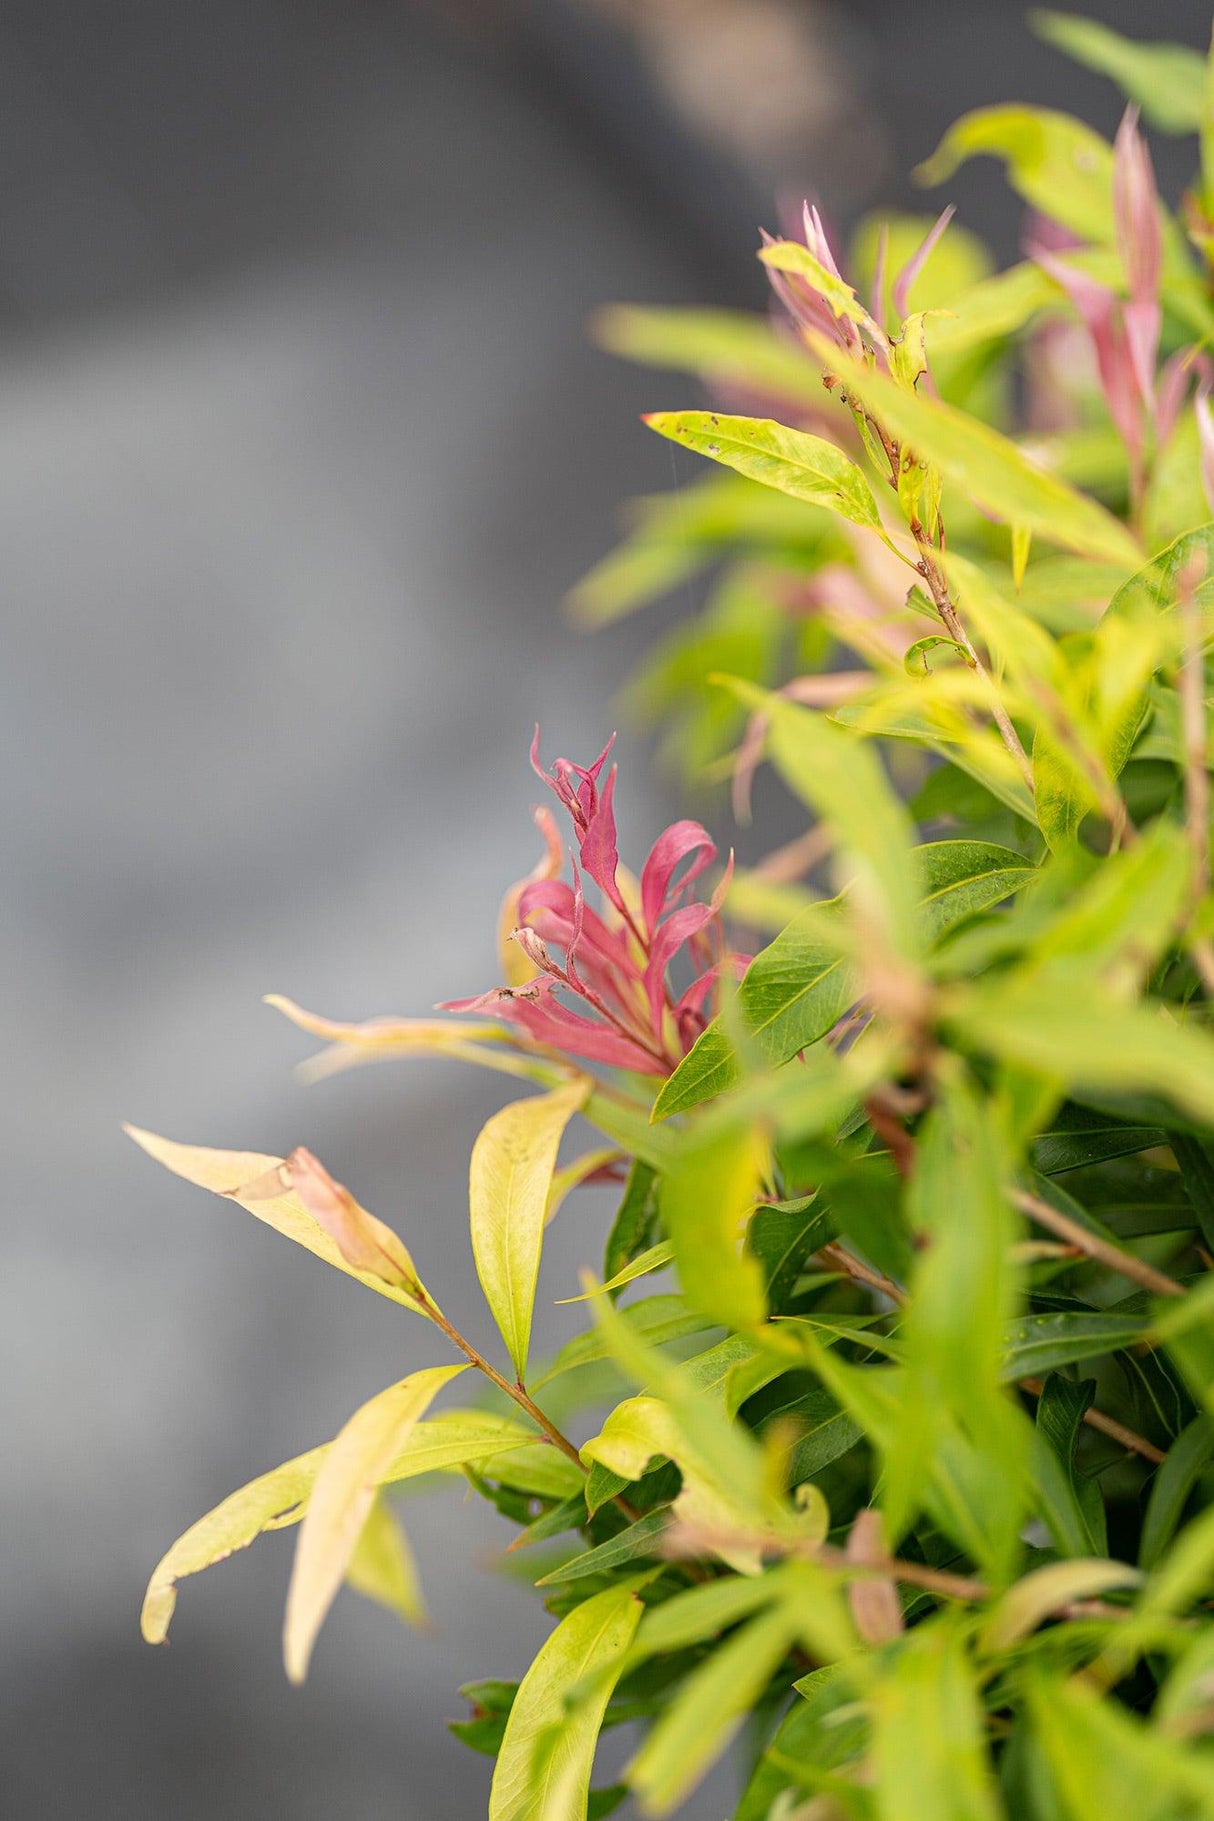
(543, 1769)
(341, 1501)
(642, 1539)
(383, 1568)
(929, 1747)
(993, 472)
(513, 1162)
(1037, 1344)
(278, 1499)
(1071, 1504)
(1166, 80)
(298, 1198)
(1023, 1607)
(1187, 1459)
(697, 1728)
(707, 1199)
(807, 467)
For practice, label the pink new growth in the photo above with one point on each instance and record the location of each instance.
(616, 964)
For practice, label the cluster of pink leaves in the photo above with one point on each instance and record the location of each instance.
(615, 967)
(1124, 332)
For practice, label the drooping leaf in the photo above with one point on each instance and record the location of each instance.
(543, 1770)
(1166, 80)
(1060, 166)
(335, 1229)
(1023, 1607)
(383, 1568)
(340, 1502)
(513, 1162)
(807, 467)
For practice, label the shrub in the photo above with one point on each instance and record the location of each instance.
(911, 1473)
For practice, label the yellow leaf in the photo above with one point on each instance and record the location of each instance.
(277, 1499)
(383, 1566)
(575, 1174)
(297, 1197)
(513, 1162)
(341, 1501)
(1037, 1595)
(379, 1039)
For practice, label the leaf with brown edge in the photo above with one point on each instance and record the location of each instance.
(297, 1197)
(341, 1502)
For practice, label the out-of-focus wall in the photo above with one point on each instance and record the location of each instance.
(300, 445)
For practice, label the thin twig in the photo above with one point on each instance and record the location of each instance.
(1097, 1249)
(839, 1258)
(1107, 1425)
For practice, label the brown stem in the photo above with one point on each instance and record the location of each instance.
(838, 1257)
(1107, 1425)
(515, 1391)
(1112, 1257)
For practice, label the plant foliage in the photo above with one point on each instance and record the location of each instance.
(907, 1306)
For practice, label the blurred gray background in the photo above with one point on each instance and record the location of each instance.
(301, 442)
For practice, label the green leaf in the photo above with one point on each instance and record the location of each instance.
(1197, 1173)
(687, 1619)
(656, 1319)
(635, 1225)
(929, 1746)
(1036, 1344)
(781, 1237)
(1155, 589)
(543, 1771)
(1060, 1026)
(807, 467)
(731, 348)
(513, 1161)
(1186, 1327)
(1060, 166)
(644, 1538)
(793, 992)
(1071, 1504)
(1079, 1137)
(708, 1196)
(1033, 1598)
(278, 1498)
(1107, 1762)
(994, 472)
(822, 1732)
(654, 1258)
(1166, 80)
(709, 1708)
(1187, 1459)
(355, 1463)
(491, 1704)
(963, 878)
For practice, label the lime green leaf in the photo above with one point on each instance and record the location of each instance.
(726, 346)
(795, 257)
(822, 1732)
(699, 1724)
(994, 472)
(807, 467)
(1023, 1607)
(1087, 1042)
(644, 1538)
(1107, 1762)
(654, 1258)
(1166, 80)
(991, 310)
(929, 1747)
(962, 878)
(513, 1162)
(383, 1567)
(543, 1771)
(1156, 589)
(641, 569)
(1059, 165)
(657, 1319)
(707, 1199)
(703, 1612)
(1187, 1459)
(1071, 1504)
(355, 1463)
(1036, 1344)
(345, 1235)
